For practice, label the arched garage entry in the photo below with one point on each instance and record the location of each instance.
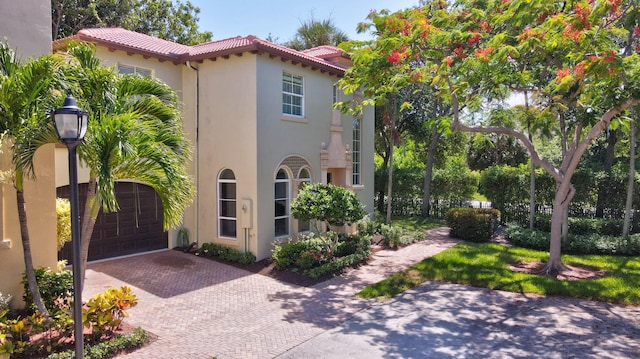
(136, 228)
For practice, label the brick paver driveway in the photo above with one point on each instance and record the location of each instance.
(202, 309)
(199, 308)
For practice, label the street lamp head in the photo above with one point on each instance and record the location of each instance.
(70, 121)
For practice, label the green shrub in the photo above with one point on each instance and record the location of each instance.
(593, 243)
(225, 253)
(104, 312)
(361, 254)
(472, 224)
(287, 252)
(107, 349)
(334, 205)
(63, 221)
(56, 289)
(369, 228)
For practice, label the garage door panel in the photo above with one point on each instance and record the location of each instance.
(137, 227)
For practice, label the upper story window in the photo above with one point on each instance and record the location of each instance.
(134, 70)
(292, 95)
(336, 97)
(356, 153)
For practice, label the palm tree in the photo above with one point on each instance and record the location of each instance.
(25, 98)
(313, 33)
(135, 133)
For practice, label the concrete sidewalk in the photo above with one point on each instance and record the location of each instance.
(199, 308)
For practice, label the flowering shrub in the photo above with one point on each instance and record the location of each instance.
(104, 312)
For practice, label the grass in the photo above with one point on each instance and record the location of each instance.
(417, 223)
(486, 265)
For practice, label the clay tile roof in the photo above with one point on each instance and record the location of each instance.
(133, 42)
(324, 52)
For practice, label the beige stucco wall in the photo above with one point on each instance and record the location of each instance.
(26, 24)
(27, 27)
(227, 139)
(41, 219)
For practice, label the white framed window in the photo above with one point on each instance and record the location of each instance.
(336, 96)
(304, 177)
(134, 70)
(282, 200)
(227, 217)
(356, 153)
(292, 95)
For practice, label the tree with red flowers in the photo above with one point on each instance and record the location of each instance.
(579, 60)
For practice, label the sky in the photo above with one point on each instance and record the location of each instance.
(281, 18)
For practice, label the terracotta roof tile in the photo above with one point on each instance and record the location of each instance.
(134, 42)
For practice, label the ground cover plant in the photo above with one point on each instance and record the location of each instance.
(488, 265)
(29, 333)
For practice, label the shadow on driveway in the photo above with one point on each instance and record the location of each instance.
(167, 273)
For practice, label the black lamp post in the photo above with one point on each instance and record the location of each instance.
(71, 125)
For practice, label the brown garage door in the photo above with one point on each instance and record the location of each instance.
(136, 228)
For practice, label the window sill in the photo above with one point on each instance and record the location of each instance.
(357, 187)
(5, 244)
(294, 119)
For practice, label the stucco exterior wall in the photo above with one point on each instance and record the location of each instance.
(26, 24)
(27, 27)
(227, 140)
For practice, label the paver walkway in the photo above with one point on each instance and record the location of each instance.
(199, 308)
(203, 309)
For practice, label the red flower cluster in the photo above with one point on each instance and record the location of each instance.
(473, 39)
(394, 57)
(562, 73)
(449, 61)
(483, 54)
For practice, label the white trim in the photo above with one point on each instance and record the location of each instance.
(293, 94)
(5, 244)
(124, 256)
(287, 199)
(356, 154)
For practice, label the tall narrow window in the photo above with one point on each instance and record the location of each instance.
(292, 96)
(356, 153)
(227, 204)
(282, 204)
(335, 94)
(304, 178)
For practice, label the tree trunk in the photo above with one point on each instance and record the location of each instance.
(26, 250)
(564, 194)
(392, 136)
(428, 174)
(532, 196)
(609, 158)
(381, 193)
(632, 172)
(89, 216)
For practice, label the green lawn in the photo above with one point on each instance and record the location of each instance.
(486, 265)
(417, 223)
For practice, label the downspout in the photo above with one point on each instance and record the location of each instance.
(197, 153)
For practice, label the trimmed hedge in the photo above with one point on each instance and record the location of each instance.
(226, 253)
(583, 226)
(472, 224)
(576, 244)
(135, 339)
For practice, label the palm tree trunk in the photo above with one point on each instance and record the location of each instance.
(632, 172)
(89, 216)
(428, 175)
(26, 250)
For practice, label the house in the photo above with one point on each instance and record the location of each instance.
(261, 119)
(29, 38)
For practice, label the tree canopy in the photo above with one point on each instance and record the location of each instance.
(314, 32)
(579, 58)
(165, 19)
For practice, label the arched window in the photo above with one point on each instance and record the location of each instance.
(227, 218)
(282, 204)
(304, 177)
